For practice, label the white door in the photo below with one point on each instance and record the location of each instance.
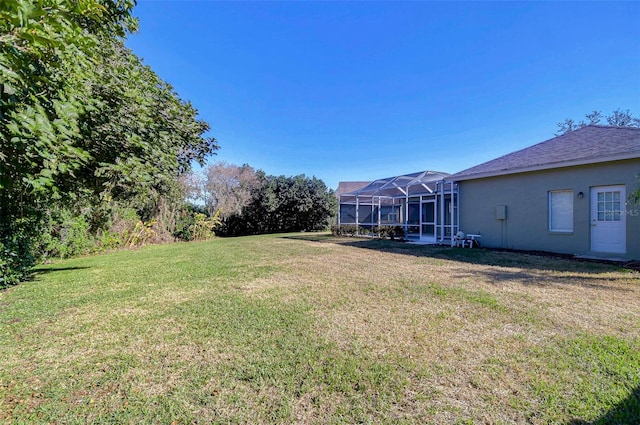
(608, 219)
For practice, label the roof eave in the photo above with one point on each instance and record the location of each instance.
(631, 155)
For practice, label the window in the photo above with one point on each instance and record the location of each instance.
(609, 206)
(561, 211)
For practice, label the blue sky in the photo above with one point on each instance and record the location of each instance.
(365, 90)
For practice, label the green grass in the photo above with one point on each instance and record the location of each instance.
(311, 329)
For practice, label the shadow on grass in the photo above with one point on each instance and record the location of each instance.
(525, 267)
(52, 269)
(627, 412)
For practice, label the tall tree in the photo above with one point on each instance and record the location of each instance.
(45, 53)
(228, 188)
(81, 116)
(284, 204)
(139, 134)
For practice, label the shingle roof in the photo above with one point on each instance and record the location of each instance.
(587, 145)
(346, 187)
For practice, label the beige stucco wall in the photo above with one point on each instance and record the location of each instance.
(525, 195)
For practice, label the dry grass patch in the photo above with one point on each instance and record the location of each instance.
(311, 329)
(467, 328)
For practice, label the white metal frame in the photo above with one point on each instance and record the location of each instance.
(427, 186)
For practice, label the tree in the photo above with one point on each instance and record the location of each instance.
(228, 188)
(283, 204)
(83, 121)
(140, 135)
(45, 53)
(617, 118)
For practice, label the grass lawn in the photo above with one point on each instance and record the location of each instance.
(306, 328)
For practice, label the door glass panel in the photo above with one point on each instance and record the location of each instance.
(609, 204)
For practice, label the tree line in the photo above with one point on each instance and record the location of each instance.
(251, 202)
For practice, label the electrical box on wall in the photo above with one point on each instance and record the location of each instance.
(501, 212)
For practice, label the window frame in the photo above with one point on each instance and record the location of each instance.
(566, 214)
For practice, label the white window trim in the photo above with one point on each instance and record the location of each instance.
(550, 212)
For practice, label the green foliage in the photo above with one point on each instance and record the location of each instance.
(391, 232)
(284, 204)
(17, 252)
(204, 226)
(46, 52)
(141, 136)
(348, 230)
(141, 234)
(193, 223)
(108, 240)
(382, 232)
(68, 235)
(82, 120)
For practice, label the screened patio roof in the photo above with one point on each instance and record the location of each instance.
(414, 184)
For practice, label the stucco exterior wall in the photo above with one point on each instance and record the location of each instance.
(525, 196)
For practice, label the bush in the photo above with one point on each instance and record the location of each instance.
(108, 240)
(17, 250)
(398, 232)
(390, 232)
(68, 236)
(192, 224)
(351, 230)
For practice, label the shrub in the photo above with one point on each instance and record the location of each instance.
(204, 226)
(398, 232)
(347, 230)
(141, 234)
(18, 251)
(193, 224)
(390, 232)
(108, 240)
(68, 236)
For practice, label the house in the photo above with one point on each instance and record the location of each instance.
(567, 195)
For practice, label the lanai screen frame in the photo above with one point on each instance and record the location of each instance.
(397, 191)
